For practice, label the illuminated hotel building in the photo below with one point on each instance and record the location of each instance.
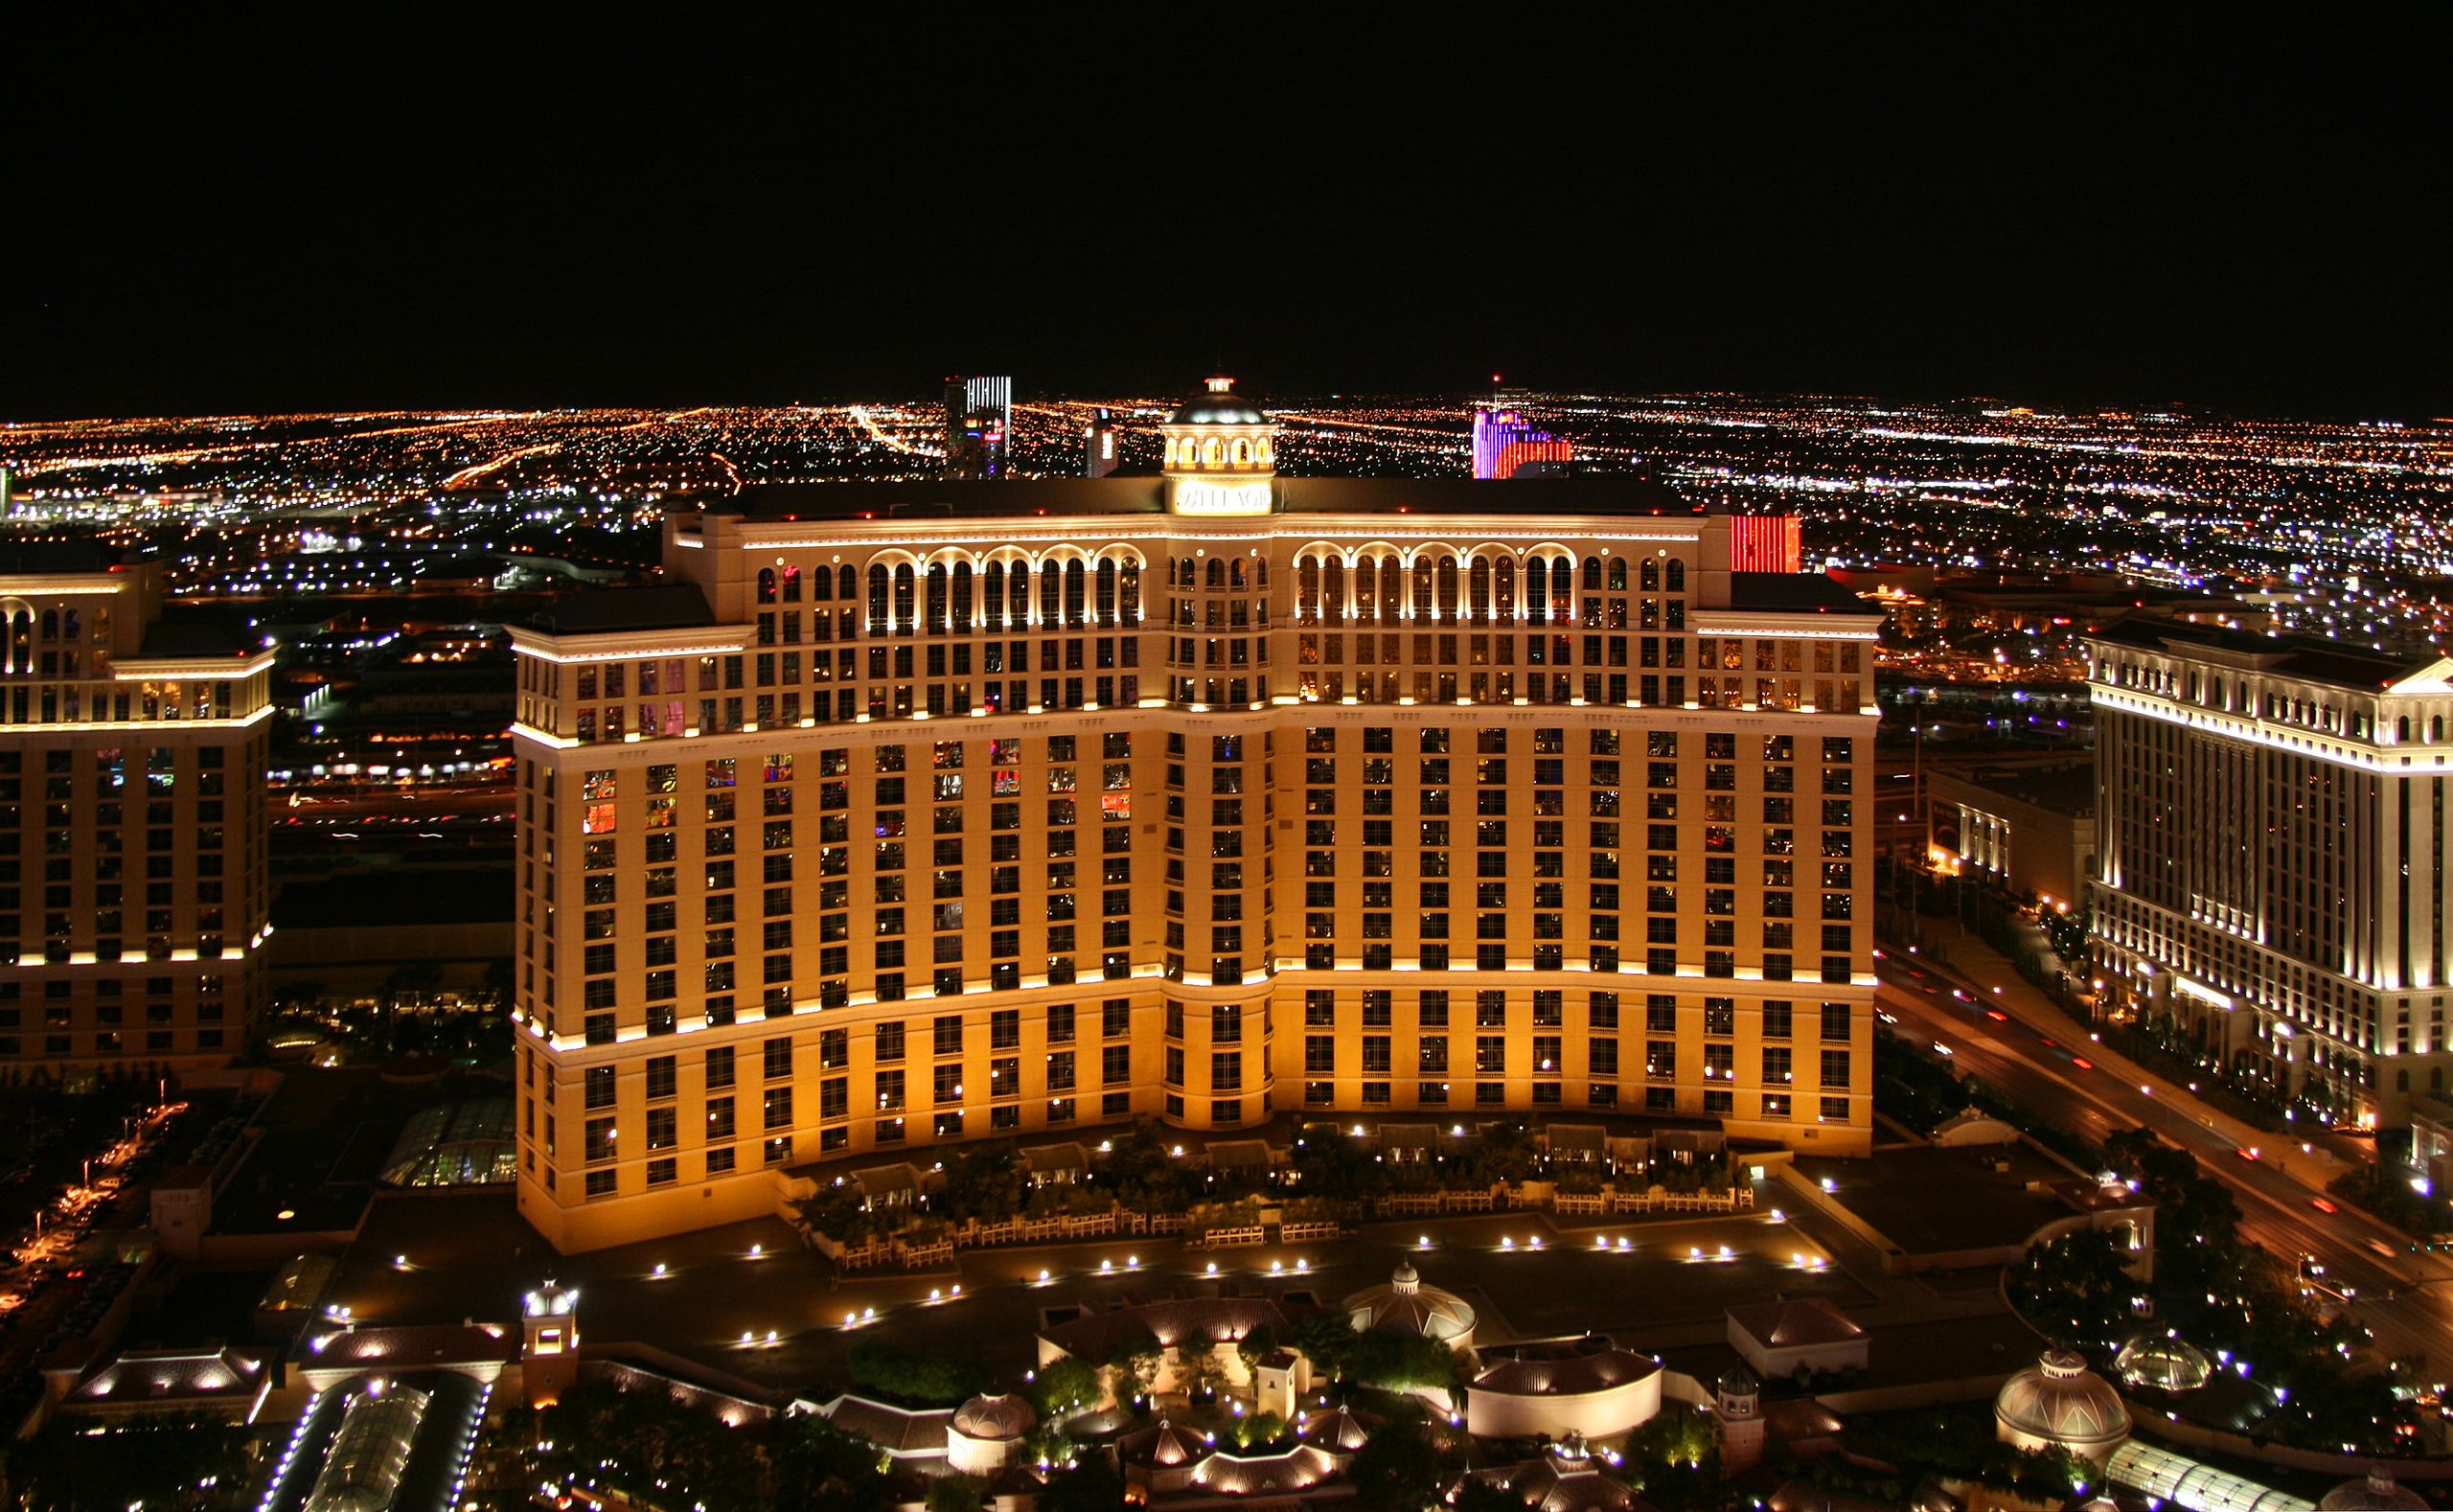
(1507, 447)
(2271, 855)
(902, 815)
(134, 884)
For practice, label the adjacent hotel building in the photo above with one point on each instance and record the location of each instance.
(899, 816)
(134, 884)
(2271, 842)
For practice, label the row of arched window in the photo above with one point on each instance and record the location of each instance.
(784, 584)
(1221, 574)
(999, 596)
(1378, 588)
(1209, 451)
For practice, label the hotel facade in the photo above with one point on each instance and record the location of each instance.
(899, 816)
(134, 885)
(2271, 856)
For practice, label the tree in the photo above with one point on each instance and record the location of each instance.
(1091, 1484)
(1504, 1152)
(1481, 1496)
(1134, 1358)
(982, 1182)
(1400, 1361)
(1396, 1470)
(1065, 1387)
(923, 1378)
(2076, 1285)
(1145, 1174)
(642, 1441)
(1260, 1429)
(1327, 1340)
(955, 1494)
(148, 1463)
(1331, 1164)
(815, 1464)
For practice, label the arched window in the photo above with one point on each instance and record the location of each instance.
(1648, 576)
(1107, 590)
(1477, 587)
(1448, 603)
(2402, 729)
(2402, 1080)
(1618, 574)
(1423, 598)
(791, 583)
(1235, 572)
(2436, 729)
(878, 579)
(1190, 578)
(1503, 587)
(1366, 592)
(1242, 452)
(1676, 576)
(991, 596)
(1129, 593)
(1333, 590)
(1051, 590)
(1307, 589)
(1210, 451)
(1591, 574)
(821, 584)
(845, 584)
(1393, 588)
(1217, 573)
(765, 584)
(935, 623)
(1076, 589)
(906, 584)
(1017, 595)
(1537, 592)
(962, 598)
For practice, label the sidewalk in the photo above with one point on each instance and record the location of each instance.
(1980, 968)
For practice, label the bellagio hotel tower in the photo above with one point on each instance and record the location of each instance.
(903, 815)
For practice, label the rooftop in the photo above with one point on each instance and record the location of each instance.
(2305, 657)
(660, 606)
(1119, 494)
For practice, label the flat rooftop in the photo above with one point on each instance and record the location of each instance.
(1936, 1200)
(1611, 494)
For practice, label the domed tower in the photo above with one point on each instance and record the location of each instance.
(1221, 455)
(1222, 452)
(1737, 1412)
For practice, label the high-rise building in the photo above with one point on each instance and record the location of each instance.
(133, 881)
(1507, 447)
(1098, 446)
(980, 420)
(1210, 798)
(2271, 855)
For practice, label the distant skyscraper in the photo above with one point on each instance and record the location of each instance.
(1098, 447)
(979, 417)
(1505, 446)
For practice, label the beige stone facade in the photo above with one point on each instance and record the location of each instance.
(133, 881)
(900, 817)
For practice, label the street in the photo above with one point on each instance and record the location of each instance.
(2045, 1061)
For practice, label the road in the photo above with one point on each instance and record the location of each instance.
(2405, 1299)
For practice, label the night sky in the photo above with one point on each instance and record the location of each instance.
(234, 214)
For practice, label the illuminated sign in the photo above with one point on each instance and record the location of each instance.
(1201, 496)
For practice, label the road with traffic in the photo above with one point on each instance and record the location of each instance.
(2005, 1035)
